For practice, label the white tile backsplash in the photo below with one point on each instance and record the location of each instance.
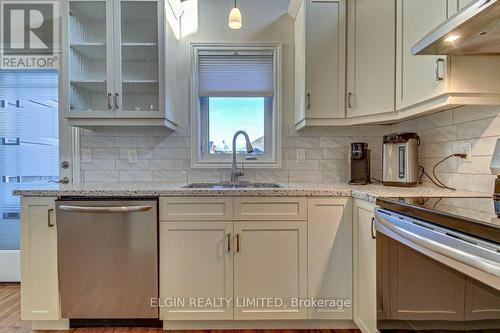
(164, 156)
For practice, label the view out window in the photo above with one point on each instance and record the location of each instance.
(235, 88)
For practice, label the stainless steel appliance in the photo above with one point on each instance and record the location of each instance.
(438, 264)
(400, 159)
(360, 164)
(472, 30)
(107, 258)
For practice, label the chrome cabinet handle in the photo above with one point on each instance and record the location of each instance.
(116, 101)
(372, 228)
(349, 95)
(229, 243)
(308, 106)
(439, 61)
(49, 220)
(237, 242)
(110, 105)
(116, 209)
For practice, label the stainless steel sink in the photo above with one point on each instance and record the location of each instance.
(231, 185)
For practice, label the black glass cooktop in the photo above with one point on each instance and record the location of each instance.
(474, 216)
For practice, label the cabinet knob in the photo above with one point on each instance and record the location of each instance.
(308, 105)
(49, 220)
(116, 101)
(373, 228)
(349, 96)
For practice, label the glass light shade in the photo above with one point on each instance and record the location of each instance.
(235, 18)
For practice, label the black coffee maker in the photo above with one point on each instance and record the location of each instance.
(360, 164)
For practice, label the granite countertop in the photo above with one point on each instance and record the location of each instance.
(366, 192)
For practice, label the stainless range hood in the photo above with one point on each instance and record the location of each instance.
(475, 29)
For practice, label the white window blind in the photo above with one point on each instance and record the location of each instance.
(242, 74)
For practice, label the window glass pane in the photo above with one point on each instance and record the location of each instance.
(226, 115)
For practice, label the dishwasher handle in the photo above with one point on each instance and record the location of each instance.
(105, 209)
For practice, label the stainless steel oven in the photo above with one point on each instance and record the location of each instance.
(107, 258)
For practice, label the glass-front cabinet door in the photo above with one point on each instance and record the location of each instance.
(90, 66)
(138, 34)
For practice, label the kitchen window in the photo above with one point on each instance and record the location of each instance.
(235, 87)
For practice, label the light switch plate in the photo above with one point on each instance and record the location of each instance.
(463, 148)
(86, 155)
(132, 156)
(301, 155)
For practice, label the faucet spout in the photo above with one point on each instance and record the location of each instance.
(235, 173)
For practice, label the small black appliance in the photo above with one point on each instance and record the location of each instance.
(360, 164)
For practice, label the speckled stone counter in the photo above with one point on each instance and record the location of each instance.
(367, 192)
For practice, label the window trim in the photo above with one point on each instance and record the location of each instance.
(198, 158)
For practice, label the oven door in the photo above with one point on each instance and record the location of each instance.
(473, 257)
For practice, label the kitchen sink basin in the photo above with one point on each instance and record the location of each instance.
(232, 185)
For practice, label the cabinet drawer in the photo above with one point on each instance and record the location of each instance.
(196, 209)
(270, 209)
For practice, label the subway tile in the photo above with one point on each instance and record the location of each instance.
(470, 113)
(305, 165)
(171, 153)
(305, 177)
(97, 141)
(101, 131)
(335, 142)
(136, 176)
(170, 176)
(310, 153)
(336, 153)
(135, 131)
(142, 153)
(98, 164)
(167, 164)
(302, 142)
(132, 141)
(478, 165)
(169, 142)
(440, 119)
(124, 165)
(104, 153)
(479, 128)
(204, 175)
(102, 176)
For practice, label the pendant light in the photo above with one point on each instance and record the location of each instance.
(235, 18)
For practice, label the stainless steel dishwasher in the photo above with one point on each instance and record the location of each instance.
(107, 258)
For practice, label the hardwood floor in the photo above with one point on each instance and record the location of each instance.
(10, 319)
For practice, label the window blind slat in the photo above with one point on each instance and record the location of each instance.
(236, 75)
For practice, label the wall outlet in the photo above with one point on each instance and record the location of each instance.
(132, 156)
(301, 155)
(463, 148)
(86, 155)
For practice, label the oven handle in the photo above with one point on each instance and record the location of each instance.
(482, 264)
(115, 209)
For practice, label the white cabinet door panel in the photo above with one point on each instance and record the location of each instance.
(365, 270)
(325, 59)
(330, 256)
(196, 262)
(419, 78)
(270, 261)
(371, 58)
(40, 289)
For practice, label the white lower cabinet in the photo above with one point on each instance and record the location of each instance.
(330, 257)
(196, 262)
(365, 270)
(40, 290)
(270, 262)
(258, 256)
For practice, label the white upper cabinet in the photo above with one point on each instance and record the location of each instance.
(114, 66)
(419, 78)
(320, 61)
(371, 37)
